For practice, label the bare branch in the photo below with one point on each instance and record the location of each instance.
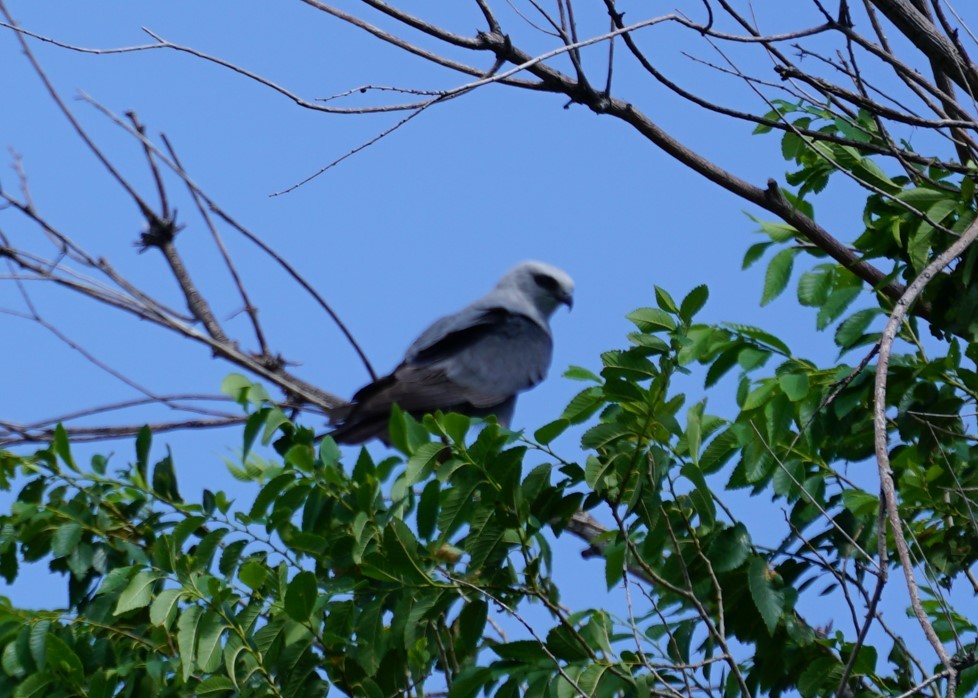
(880, 429)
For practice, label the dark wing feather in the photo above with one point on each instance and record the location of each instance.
(472, 367)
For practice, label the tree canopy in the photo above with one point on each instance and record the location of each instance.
(431, 569)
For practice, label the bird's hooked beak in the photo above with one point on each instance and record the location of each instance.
(567, 299)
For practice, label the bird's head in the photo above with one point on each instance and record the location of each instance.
(544, 286)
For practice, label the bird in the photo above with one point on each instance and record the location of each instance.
(474, 362)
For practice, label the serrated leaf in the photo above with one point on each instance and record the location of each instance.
(230, 557)
(165, 479)
(187, 627)
(300, 596)
(214, 685)
(269, 493)
(209, 650)
(138, 593)
(164, 607)
(754, 253)
(768, 600)
(724, 361)
(614, 559)
(236, 387)
(428, 509)
(422, 462)
(254, 573)
(794, 385)
(548, 432)
(204, 552)
(694, 302)
(37, 643)
(852, 328)
(601, 435)
(651, 319)
(34, 686)
(759, 335)
(577, 373)
(814, 286)
(62, 658)
(860, 503)
(730, 548)
(665, 301)
(329, 452)
(835, 305)
(583, 405)
(778, 274)
(759, 395)
(66, 539)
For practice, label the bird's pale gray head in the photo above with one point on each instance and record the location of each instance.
(544, 286)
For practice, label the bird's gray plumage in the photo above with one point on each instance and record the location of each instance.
(474, 362)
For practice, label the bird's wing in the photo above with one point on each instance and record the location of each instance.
(472, 361)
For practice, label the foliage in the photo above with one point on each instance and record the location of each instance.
(392, 577)
(379, 578)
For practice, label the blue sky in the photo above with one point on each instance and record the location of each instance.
(405, 231)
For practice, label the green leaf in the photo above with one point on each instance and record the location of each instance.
(187, 627)
(209, 650)
(329, 452)
(614, 559)
(651, 319)
(722, 364)
(548, 432)
(37, 643)
(524, 651)
(814, 287)
(768, 600)
(730, 548)
(269, 493)
(165, 606)
(835, 305)
(144, 440)
(62, 659)
(254, 573)
(759, 395)
(183, 530)
(852, 328)
(302, 457)
(601, 435)
(428, 509)
(576, 373)
(794, 385)
(422, 462)
(583, 405)
(34, 686)
(236, 387)
(204, 552)
(693, 302)
(62, 448)
(66, 539)
(759, 335)
(754, 253)
(138, 594)
(165, 479)
(11, 662)
(300, 596)
(860, 503)
(694, 416)
(214, 685)
(778, 274)
(231, 556)
(665, 301)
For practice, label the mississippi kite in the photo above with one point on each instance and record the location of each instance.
(474, 362)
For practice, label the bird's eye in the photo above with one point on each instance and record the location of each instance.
(547, 283)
